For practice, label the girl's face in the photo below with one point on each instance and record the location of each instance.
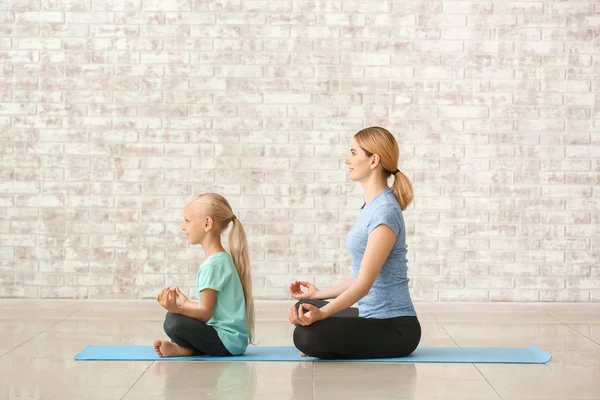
(194, 226)
(359, 164)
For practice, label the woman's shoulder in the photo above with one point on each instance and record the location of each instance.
(387, 203)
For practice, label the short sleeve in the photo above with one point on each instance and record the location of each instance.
(388, 215)
(211, 276)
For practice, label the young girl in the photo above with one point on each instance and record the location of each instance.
(222, 323)
(385, 323)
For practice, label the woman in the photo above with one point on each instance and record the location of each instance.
(385, 323)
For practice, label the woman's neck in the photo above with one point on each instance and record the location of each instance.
(372, 187)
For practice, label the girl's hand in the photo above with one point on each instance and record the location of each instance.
(168, 300)
(298, 294)
(182, 300)
(299, 317)
(160, 295)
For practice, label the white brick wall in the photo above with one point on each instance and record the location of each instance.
(114, 112)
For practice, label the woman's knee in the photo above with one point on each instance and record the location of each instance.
(299, 303)
(316, 303)
(303, 339)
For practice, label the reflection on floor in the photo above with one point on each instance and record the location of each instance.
(38, 340)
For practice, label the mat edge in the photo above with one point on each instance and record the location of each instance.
(544, 357)
(541, 353)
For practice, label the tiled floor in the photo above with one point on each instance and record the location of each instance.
(38, 340)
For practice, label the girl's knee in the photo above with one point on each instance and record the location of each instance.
(171, 323)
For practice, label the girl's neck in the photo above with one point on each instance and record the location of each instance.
(212, 246)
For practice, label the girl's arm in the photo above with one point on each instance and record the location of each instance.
(379, 245)
(192, 304)
(208, 298)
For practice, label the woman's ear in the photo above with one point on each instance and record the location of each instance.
(375, 160)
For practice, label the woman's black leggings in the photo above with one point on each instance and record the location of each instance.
(194, 334)
(345, 335)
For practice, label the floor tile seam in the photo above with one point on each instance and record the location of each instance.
(475, 366)
(567, 324)
(39, 333)
(581, 333)
(486, 379)
(445, 331)
(137, 380)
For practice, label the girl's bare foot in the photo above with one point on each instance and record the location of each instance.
(164, 348)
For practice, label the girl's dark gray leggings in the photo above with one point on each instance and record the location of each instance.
(194, 334)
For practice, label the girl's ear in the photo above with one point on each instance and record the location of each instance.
(208, 223)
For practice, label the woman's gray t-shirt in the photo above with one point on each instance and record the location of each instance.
(389, 296)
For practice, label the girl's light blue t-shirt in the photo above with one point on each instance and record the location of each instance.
(389, 296)
(218, 272)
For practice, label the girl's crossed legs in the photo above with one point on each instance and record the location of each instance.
(189, 337)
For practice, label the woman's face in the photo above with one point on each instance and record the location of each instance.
(359, 164)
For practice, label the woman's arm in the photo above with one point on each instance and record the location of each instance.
(379, 245)
(333, 292)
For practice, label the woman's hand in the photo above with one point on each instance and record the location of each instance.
(298, 294)
(168, 299)
(299, 317)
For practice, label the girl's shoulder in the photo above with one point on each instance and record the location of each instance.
(216, 258)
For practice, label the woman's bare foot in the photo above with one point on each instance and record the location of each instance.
(302, 354)
(164, 348)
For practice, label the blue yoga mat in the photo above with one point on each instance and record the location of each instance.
(530, 355)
